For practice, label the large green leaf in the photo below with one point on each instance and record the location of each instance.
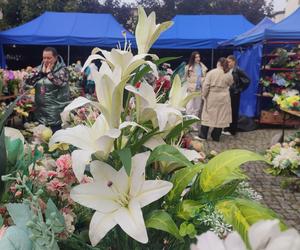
(161, 220)
(178, 128)
(241, 214)
(170, 154)
(225, 168)
(125, 156)
(188, 208)
(51, 210)
(15, 239)
(15, 151)
(3, 160)
(181, 179)
(20, 214)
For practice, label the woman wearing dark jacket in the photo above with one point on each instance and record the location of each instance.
(52, 92)
(240, 82)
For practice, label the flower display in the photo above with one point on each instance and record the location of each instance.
(289, 100)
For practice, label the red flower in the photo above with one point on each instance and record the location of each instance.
(138, 85)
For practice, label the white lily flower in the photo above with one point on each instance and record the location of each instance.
(96, 139)
(118, 198)
(147, 31)
(122, 59)
(263, 235)
(179, 96)
(149, 109)
(13, 134)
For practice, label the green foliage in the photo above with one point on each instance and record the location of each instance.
(225, 168)
(20, 214)
(15, 152)
(15, 238)
(125, 156)
(241, 214)
(169, 154)
(176, 131)
(181, 179)
(161, 220)
(51, 213)
(188, 208)
(187, 229)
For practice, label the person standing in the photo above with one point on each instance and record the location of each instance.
(52, 92)
(216, 112)
(240, 82)
(195, 73)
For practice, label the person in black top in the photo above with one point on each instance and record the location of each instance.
(241, 82)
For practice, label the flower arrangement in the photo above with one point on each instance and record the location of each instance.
(285, 158)
(75, 80)
(123, 180)
(289, 99)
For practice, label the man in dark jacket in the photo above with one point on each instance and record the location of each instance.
(52, 92)
(241, 82)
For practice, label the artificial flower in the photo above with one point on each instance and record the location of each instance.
(179, 96)
(147, 31)
(148, 109)
(98, 138)
(118, 198)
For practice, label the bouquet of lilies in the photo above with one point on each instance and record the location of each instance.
(122, 180)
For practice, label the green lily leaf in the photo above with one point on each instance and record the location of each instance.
(225, 167)
(161, 220)
(125, 156)
(188, 208)
(52, 213)
(168, 153)
(176, 131)
(181, 179)
(242, 213)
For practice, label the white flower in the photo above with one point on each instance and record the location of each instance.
(98, 138)
(147, 31)
(263, 235)
(148, 108)
(13, 134)
(179, 96)
(118, 198)
(286, 156)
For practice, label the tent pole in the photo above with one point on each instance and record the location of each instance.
(212, 58)
(68, 59)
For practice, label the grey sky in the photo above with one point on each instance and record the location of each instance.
(278, 4)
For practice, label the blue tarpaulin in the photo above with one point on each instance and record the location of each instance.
(202, 31)
(250, 61)
(255, 34)
(287, 29)
(62, 28)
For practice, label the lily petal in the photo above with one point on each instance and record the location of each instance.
(154, 142)
(234, 242)
(132, 222)
(102, 172)
(138, 164)
(96, 195)
(100, 225)
(289, 239)
(210, 241)
(153, 190)
(80, 158)
(261, 232)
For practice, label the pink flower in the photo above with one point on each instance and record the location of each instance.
(55, 185)
(43, 176)
(64, 163)
(52, 174)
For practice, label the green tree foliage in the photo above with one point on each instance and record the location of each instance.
(16, 12)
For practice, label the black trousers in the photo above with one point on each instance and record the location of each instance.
(235, 107)
(215, 134)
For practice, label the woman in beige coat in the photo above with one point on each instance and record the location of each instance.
(195, 73)
(216, 112)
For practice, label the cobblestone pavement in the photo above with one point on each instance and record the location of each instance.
(283, 201)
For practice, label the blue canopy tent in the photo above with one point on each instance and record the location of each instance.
(251, 36)
(63, 28)
(287, 29)
(201, 31)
